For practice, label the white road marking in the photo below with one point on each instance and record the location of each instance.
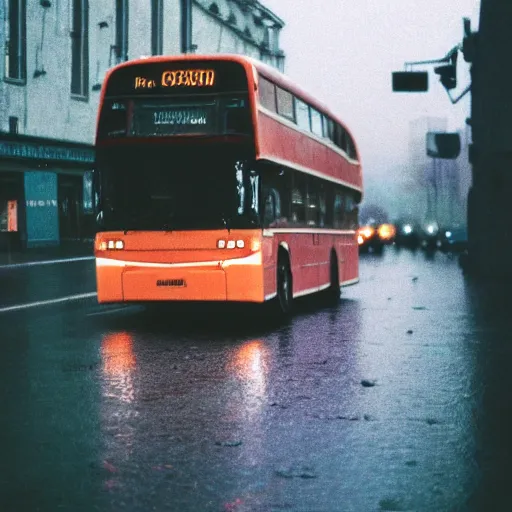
(116, 310)
(45, 262)
(39, 303)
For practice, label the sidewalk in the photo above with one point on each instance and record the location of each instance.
(66, 250)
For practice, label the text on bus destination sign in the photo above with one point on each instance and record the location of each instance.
(179, 78)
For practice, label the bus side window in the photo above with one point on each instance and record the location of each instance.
(267, 94)
(276, 183)
(322, 206)
(312, 210)
(298, 199)
(338, 210)
(351, 211)
(272, 207)
(302, 115)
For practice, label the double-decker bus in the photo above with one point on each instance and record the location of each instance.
(219, 179)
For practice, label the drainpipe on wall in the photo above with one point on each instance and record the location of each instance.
(186, 26)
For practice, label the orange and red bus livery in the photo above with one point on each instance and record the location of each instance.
(219, 179)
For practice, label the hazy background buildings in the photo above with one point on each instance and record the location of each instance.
(56, 54)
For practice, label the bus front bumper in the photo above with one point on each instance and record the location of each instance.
(238, 279)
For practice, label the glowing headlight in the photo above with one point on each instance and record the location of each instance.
(111, 245)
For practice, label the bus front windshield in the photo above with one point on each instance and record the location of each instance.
(177, 188)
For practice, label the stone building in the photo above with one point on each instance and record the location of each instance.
(56, 54)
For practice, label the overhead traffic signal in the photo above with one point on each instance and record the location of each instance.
(448, 72)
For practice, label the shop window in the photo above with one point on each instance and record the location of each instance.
(8, 215)
(16, 40)
(88, 206)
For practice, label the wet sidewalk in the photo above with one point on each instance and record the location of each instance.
(67, 250)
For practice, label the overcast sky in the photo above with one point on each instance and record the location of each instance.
(343, 51)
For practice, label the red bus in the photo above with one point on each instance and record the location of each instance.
(219, 179)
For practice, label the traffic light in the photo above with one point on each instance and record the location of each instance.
(448, 72)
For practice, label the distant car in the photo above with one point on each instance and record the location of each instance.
(368, 239)
(453, 239)
(429, 235)
(373, 237)
(407, 234)
(387, 233)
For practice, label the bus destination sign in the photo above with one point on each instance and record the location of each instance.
(178, 78)
(180, 116)
(154, 120)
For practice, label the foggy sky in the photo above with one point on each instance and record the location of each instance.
(343, 51)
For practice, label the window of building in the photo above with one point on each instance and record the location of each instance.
(285, 104)
(316, 122)
(267, 93)
(80, 49)
(302, 115)
(87, 192)
(16, 41)
(121, 30)
(157, 27)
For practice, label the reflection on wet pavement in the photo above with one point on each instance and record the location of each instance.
(394, 400)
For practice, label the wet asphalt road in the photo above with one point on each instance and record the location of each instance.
(397, 399)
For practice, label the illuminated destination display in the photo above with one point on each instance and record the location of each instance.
(153, 119)
(179, 78)
(182, 116)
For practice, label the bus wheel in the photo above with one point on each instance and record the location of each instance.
(333, 292)
(284, 299)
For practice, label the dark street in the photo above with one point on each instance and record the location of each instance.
(394, 400)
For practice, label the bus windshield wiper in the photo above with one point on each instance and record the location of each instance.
(226, 222)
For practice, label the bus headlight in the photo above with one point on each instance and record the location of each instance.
(111, 245)
(230, 244)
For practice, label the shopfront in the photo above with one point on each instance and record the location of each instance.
(45, 192)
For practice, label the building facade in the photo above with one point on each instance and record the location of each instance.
(56, 54)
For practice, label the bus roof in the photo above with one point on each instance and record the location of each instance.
(269, 72)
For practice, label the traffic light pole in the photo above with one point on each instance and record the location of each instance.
(490, 195)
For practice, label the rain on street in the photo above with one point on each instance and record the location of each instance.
(393, 400)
